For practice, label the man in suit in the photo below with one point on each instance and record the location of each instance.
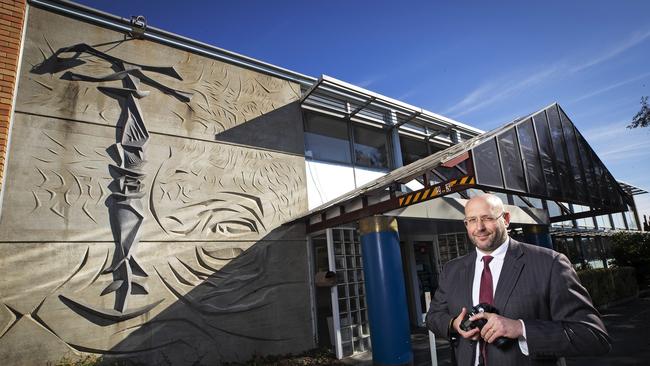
(543, 310)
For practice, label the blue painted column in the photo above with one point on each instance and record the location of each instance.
(538, 235)
(390, 333)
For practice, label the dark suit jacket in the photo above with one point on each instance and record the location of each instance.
(537, 285)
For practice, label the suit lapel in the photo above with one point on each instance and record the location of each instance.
(468, 279)
(512, 266)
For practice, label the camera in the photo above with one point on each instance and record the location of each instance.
(468, 325)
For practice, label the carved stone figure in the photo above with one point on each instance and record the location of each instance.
(125, 204)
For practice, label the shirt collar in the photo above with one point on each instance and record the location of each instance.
(498, 253)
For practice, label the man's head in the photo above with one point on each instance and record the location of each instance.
(486, 222)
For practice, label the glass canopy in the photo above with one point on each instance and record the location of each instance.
(541, 155)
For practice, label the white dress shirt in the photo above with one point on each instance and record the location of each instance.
(498, 256)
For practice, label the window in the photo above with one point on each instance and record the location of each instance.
(531, 157)
(568, 247)
(486, 161)
(603, 222)
(631, 221)
(370, 147)
(546, 153)
(511, 160)
(560, 147)
(326, 139)
(618, 220)
(412, 149)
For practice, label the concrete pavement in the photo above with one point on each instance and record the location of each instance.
(628, 325)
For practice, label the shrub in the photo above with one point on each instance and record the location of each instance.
(86, 360)
(633, 249)
(606, 285)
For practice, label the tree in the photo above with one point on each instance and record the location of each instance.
(641, 119)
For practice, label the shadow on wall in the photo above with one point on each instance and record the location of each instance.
(221, 304)
(279, 130)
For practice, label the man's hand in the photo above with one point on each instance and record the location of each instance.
(498, 326)
(472, 334)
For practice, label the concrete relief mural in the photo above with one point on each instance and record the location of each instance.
(166, 243)
(126, 213)
(216, 296)
(224, 96)
(215, 191)
(67, 177)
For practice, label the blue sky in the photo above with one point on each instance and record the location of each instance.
(482, 63)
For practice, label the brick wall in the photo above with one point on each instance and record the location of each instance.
(12, 13)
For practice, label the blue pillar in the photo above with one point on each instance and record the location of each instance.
(538, 235)
(390, 333)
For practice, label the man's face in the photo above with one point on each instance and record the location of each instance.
(486, 223)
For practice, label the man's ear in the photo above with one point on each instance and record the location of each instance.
(506, 217)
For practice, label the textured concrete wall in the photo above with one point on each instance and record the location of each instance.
(144, 193)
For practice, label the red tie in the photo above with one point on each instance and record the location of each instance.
(485, 295)
(485, 291)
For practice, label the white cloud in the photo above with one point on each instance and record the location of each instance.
(623, 150)
(621, 47)
(494, 91)
(610, 87)
(368, 81)
(605, 132)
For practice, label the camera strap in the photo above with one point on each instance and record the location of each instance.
(452, 346)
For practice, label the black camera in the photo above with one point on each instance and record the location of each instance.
(468, 325)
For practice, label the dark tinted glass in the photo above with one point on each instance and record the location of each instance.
(326, 138)
(599, 173)
(546, 153)
(559, 147)
(574, 163)
(534, 173)
(513, 172)
(486, 161)
(613, 190)
(370, 147)
(591, 181)
(412, 149)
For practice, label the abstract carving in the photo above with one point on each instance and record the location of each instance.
(125, 205)
(69, 176)
(201, 192)
(221, 192)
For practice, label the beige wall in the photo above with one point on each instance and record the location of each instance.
(220, 279)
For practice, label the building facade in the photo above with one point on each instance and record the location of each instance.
(167, 201)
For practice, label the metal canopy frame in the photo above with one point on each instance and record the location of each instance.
(338, 98)
(541, 155)
(630, 189)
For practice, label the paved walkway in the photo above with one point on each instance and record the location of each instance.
(628, 324)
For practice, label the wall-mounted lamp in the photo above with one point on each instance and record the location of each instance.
(138, 26)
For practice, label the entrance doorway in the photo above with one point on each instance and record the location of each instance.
(341, 311)
(424, 257)
(426, 271)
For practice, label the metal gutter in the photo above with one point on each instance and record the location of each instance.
(95, 16)
(391, 103)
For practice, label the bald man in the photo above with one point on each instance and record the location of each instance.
(544, 313)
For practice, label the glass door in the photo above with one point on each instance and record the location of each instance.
(426, 271)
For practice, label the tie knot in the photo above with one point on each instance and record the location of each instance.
(487, 259)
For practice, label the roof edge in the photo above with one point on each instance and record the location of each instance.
(117, 23)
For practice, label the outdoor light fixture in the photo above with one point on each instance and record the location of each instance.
(138, 26)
